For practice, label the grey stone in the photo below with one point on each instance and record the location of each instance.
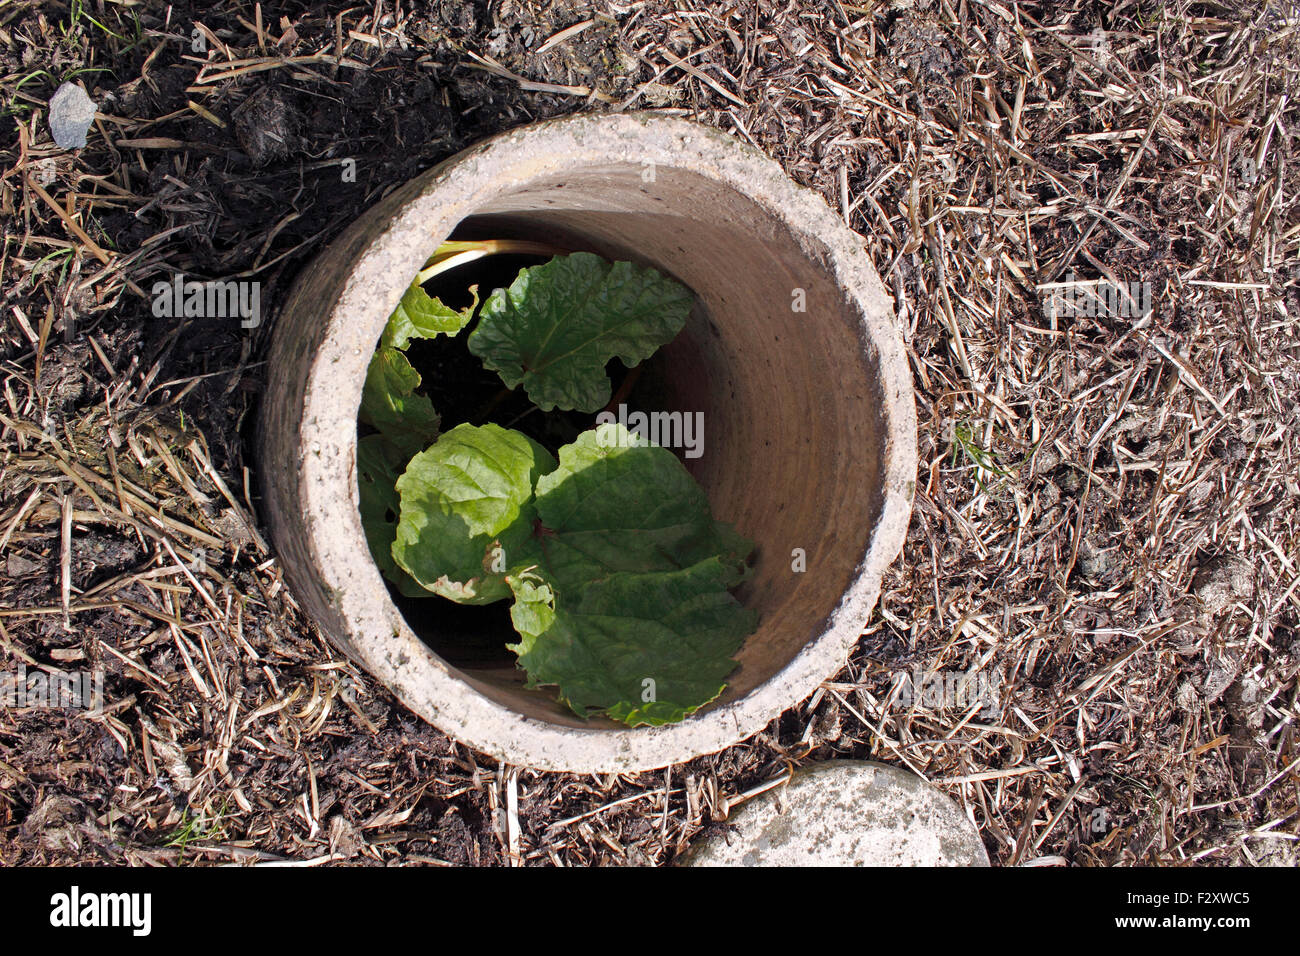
(71, 113)
(845, 813)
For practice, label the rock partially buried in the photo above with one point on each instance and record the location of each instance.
(846, 813)
(71, 113)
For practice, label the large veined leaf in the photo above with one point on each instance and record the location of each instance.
(644, 648)
(467, 512)
(559, 324)
(378, 466)
(617, 503)
(624, 605)
(389, 402)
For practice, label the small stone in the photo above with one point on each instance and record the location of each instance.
(71, 113)
(845, 813)
(18, 566)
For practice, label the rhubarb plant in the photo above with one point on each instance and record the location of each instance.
(618, 576)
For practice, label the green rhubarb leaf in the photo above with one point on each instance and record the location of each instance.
(644, 648)
(467, 513)
(378, 466)
(558, 325)
(623, 603)
(421, 316)
(617, 503)
(389, 402)
(534, 609)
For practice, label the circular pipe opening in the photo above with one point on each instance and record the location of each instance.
(790, 354)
